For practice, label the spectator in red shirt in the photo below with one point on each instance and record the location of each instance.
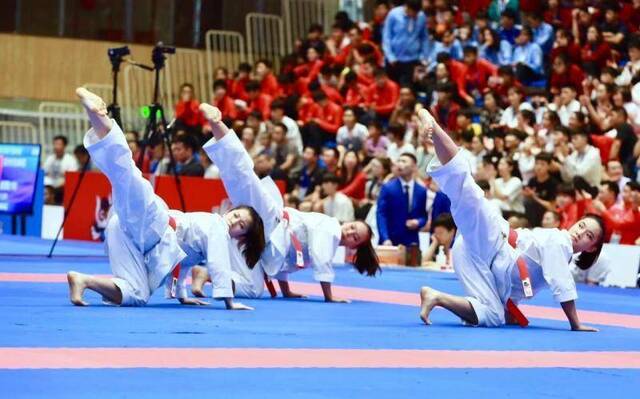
(223, 101)
(323, 118)
(476, 75)
(359, 50)
(258, 101)
(557, 15)
(243, 77)
(311, 69)
(624, 226)
(354, 179)
(565, 44)
(354, 92)
(329, 117)
(268, 81)
(188, 115)
(382, 96)
(596, 52)
(565, 74)
(445, 110)
(567, 206)
(328, 82)
(506, 80)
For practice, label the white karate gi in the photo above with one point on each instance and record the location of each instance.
(319, 234)
(483, 259)
(143, 249)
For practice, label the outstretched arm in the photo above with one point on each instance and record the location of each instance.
(569, 309)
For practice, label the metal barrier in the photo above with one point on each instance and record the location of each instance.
(64, 119)
(265, 38)
(223, 49)
(18, 132)
(186, 66)
(299, 15)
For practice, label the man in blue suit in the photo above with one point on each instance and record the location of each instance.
(402, 205)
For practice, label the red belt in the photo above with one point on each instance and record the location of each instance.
(512, 309)
(175, 274)
(297, 245)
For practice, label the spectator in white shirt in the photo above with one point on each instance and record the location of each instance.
(398, 146)
(584, 161)
(515, 95)
(293, 131)
(336, 204)
(352, 134)
(57, 164)
(568, 104)
(507, 187)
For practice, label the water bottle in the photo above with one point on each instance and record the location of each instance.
(441, 258)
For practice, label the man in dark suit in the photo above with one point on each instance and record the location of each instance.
(183, 148)
(402, 204)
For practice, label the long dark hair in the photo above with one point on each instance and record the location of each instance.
(344, 173)
(253, 240)
(366, 260)
(586, 259)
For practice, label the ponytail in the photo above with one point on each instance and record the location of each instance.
(366, 260)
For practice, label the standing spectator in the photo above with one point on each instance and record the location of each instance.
(401, 211)
(540, 192)
(351, 135)
(584, 161)
(56, 165)
(183, 149)
(405, 40)
(336, 204)
(188, 115)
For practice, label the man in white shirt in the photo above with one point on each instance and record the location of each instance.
(58, 163)
(336, 204)
(293, 131)
(584, 161)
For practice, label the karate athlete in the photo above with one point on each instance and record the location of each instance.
(295, 239)
(496, 266)
(145, 240)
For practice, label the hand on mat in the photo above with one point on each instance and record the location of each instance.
(337, 300)
(193, 301)
(239, 306)
(582, 327)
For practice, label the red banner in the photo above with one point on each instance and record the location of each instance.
(87, 218)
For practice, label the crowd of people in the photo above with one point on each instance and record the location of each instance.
(544, 96)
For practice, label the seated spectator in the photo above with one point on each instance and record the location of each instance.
(188, 115)
(223, 101)
(624, 141)
(494, 203)
(494, 49)
(584, 160)
(614, 31)
(133, 140)
(510, 115)
(323, 120)
(335, 203)
(238, 90)
(328, 82)
(491, 113)
(625, 225)
(500, 86)
(568, 105)
(211, 171)
(82, 158)
(293, 131)
(354, 92)
(401, 211)
(527, 57)
(567, 207)
(542, 31)
(55, 166)
(264, 75)
(565, 74)
(382, 96)
(615, 174)
(157, 159)
(309, 178)
(284, 153)
(447, 44)
(351, 135)
(566, 45)
(596, 52)
(256, 101)
(353, 178)
(376, 144)
(551, 220)
(405, 105)
(477, 74)
(508, 186)
(330, 160)
(398, 145)
(540, 192)
(183, 149)
(248, 138)
(508, 30)
(632, 67)
(309, 71)
(446, 110)
(444, 231)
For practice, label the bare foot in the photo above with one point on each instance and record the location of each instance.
(210, 112)
(199, 277)
(97, 111)
(428, 300)
(77, 284)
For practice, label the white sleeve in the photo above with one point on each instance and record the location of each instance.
(556, 255)
(218, 262)
(323, 244)
(241, 183)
